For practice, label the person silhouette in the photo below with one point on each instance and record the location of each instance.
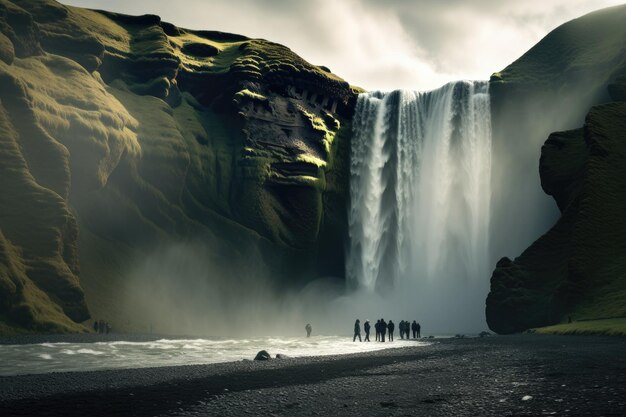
(414, 328)
(391, 327)
(377, 328)
(357, 330)
(366, 327)
(383, 329)
(308, 329)
(419, 330)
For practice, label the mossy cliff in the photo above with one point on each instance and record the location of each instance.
(577, 269)
(119, 132)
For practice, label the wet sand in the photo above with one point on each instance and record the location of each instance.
(495, 376)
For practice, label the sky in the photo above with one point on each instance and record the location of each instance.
(380, 44)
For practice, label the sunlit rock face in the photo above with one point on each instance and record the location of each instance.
(120, 133)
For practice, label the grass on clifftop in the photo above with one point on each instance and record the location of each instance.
(607, 327)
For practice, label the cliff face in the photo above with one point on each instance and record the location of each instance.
(576, 268)
(550, 88)
(119, 132)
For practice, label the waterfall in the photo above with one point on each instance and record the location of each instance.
(419, 196)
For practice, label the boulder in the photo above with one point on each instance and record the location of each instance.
(263, 355)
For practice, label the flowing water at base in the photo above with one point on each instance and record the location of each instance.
(70, 357)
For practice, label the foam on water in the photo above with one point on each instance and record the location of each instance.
(71, 357)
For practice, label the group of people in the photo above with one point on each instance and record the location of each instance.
(101, 326)
(384, 328)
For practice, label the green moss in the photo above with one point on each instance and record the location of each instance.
(250, 94)
(608, 327)
(310, 159)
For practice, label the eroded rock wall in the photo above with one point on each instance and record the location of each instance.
(551, 88)
(120, 132)
(577, 268)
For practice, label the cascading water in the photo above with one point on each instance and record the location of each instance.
(419, 201)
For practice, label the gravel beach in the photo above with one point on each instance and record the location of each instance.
(523, 375)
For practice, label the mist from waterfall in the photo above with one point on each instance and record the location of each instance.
(419, 202)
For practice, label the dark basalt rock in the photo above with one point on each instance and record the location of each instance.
(262, 356)
(577, 267)
(617, 89)
(550, 88)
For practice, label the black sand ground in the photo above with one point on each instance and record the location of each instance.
(525, 375)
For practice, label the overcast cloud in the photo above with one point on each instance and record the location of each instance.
(377, 44)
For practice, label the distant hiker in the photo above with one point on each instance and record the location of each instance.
(366, 327)
(401, 329)
(357, 330)
(377, 328)
(308, 329)
(383, 329)
(414, 328)
(391, 327)
(407, 329)
(95, 326)
(419, 331)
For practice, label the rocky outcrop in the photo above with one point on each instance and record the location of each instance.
(119, 132)
(574, 269)
(550, 88)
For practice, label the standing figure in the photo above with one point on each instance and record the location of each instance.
(357, 330)
(377, 328)
(419, 330)
(366, 327)
(401, 329)
(391, 328)
(383, 329)
(414, 328)
(308, 329)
